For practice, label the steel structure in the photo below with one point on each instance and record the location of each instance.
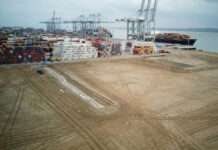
(82, 25)
(54, 24)
(140, 27)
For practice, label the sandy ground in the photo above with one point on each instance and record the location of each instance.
(157, 103)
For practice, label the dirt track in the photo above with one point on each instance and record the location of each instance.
(149, 103)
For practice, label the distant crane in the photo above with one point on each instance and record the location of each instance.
(54, 24)
(86, 25)
(139, 27)
(83, 25)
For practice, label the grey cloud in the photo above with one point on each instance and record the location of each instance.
(171, 13)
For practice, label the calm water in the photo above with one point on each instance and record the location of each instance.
(206, 41)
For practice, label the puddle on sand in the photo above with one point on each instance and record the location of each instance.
(177, 64)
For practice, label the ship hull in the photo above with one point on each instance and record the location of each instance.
(176, 41)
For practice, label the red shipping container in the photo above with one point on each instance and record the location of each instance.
(52, 41)
(25, 51)
(4, 41)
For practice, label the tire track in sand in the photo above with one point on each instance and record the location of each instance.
(174, 137)
(16, 106)
(67, 113)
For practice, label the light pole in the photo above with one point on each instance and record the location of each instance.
(188, 43)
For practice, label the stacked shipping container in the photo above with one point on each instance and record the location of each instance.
(115, 49)
(23, 50)
(173, 36)
(105, 47)
(73, 49)
(143, 50)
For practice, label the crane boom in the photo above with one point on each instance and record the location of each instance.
(141, 10)
(153, 11)
(54, 15)
(147, 10)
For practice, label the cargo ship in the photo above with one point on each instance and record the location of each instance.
(175, 38)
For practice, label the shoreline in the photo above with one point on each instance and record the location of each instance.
(177, 29)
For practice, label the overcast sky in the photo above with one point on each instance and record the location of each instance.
(170, 13)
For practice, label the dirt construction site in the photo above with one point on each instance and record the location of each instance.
(143, 103)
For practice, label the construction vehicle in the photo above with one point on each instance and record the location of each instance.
(56, 59)
(44, 63)
(40, 71)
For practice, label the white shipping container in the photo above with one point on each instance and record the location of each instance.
(71, 50)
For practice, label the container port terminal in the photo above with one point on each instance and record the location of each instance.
(83, 89)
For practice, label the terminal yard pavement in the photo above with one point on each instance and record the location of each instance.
(157, 103)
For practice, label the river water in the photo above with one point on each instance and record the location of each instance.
(206, 41)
